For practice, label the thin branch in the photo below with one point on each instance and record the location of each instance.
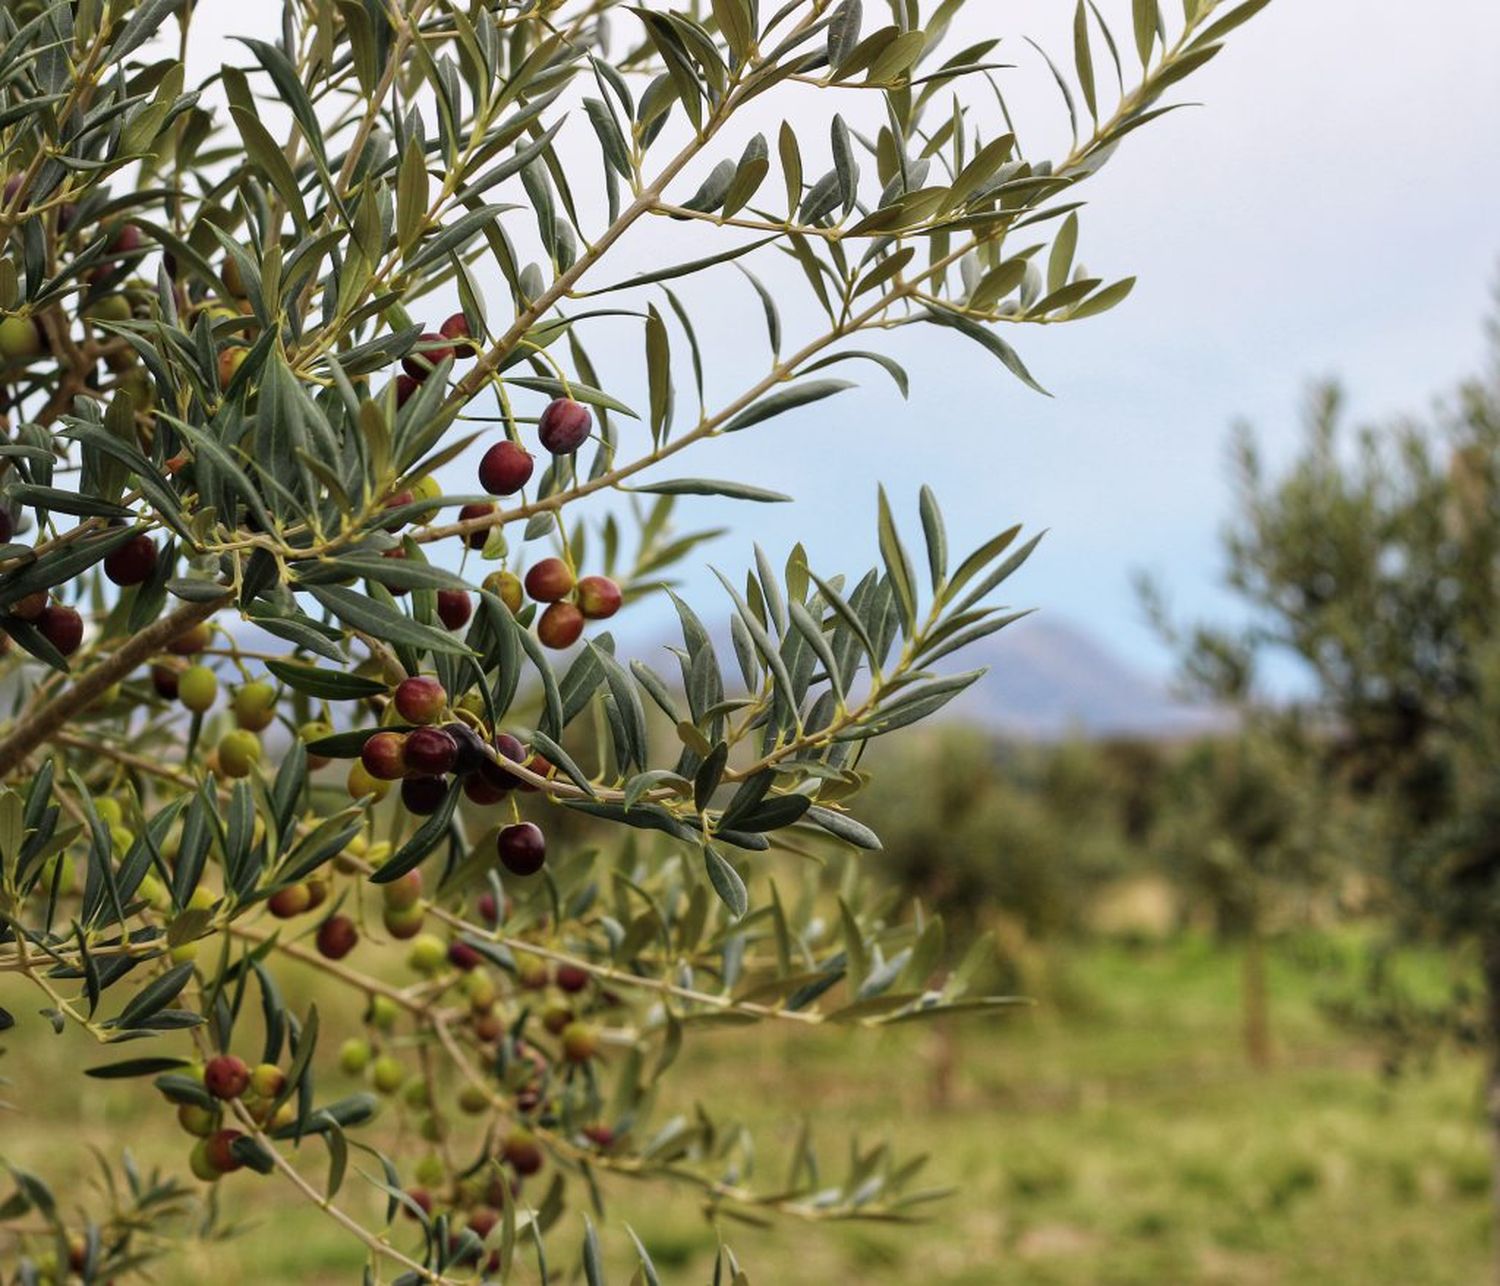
(325, 1204)
(39, 726)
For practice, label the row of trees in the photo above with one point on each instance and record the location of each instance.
(1236, 827)
(1371, 563)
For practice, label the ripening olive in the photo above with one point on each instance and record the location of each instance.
(20, 340)
(564, 426)
(226, 1076)
(132, 563)
(505, 468)
(239, 752)
(522, 848)
(354, 1056)
(560, 626)
(267, 1080)
(314, 730)
(200, 1165)
(580, 1042)
(384, 756)
(550, 580)
(457, 328)
(403, 923)
(479, 537)
(454, 608)
(230, 361)
(506, 586)
(62, 627)
(382, 1013)
(428, 954)
(423, 796)
(254, 706)
(429, 354)
(362, 785)
(198, 688)
(388, 1074)
(572, 978)
(337, 937)
(197, 1119)
(290, 901)
(430, 752)
(404, 893)
(420, 699)
(598, 597)
(522, 1151)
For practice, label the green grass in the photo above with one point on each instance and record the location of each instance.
(1119, 1138)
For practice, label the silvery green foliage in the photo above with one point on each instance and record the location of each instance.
(212, 280)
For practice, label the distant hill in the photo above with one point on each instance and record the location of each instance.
(1048, 678)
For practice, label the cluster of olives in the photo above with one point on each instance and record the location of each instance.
(564, 425)
(59, 624)
(132, 563)
(451, 340)
(567, 603)
(562, 428)
(196, 687)
(338, 935)
(228, 1079)
(23, 339)
(431, 749)
(526, 1075)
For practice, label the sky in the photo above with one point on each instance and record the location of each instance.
(1329, 210)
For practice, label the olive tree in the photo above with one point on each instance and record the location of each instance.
(1247, 838)
(281, 700)
(1373, 562)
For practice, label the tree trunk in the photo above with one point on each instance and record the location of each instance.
(1491, 950)
(1255, 1001)
(942, 1062)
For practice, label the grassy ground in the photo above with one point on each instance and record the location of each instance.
(1117, 1139)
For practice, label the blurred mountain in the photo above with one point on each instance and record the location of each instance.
(1049, 679)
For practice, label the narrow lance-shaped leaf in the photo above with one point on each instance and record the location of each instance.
(1083, 59)
(1143, 15)
(898, 567)
(787, 399)
(936, 537)
(726, 882)
(658, 372)
(843, 31)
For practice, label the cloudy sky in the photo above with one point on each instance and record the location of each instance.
(1330, 209)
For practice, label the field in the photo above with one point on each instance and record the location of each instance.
(1114, 1136)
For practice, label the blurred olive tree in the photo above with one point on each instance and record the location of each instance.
(1245, 838)
(1372, 561)
(980, 829)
